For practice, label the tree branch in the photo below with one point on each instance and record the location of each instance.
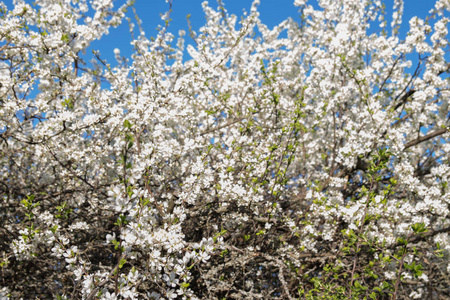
(425, 138)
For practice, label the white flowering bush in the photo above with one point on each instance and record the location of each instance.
(304, 161)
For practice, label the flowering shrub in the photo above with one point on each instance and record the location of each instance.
(302, 161)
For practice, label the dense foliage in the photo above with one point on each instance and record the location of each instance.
(302, 161)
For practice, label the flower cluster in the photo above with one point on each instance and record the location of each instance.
(299, 161)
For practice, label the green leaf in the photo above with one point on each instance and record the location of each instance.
(65, 38)
(419, 227)
(54, 228)
(122, 262)
(127, 124)
(403, 241)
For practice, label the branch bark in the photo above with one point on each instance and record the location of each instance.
(425, 138)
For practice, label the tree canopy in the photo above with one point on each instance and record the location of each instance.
(300, 162)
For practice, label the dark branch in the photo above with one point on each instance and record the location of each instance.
(425, 138)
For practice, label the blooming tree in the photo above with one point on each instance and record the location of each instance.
(302, 161)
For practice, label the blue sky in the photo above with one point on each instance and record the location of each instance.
(272, 12)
